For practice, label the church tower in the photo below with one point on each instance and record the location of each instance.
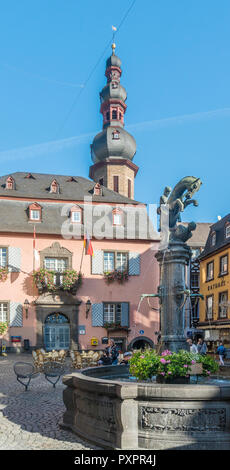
(113, 149)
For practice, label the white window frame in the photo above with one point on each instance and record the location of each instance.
(73, 213)
(223, 309)
(59, 264)
(3, 258)
(3, 312)
(112, 262)
(112, 312)
(35, 214)
(227, 231)
(223, 263)
(209, 315)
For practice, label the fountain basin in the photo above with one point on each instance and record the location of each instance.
(104, 408)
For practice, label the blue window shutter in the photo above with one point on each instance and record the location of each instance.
(16, 314)
(125, 314)
(134, 263)
(14, 259)
(97, 262)
(97, 315)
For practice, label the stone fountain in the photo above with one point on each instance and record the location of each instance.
(173, 257)
(105, 407)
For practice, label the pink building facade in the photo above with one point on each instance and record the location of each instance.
(44, 219)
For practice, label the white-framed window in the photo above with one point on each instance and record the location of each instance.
(227, 231)
(35, 214)
(224, 264)
(76, 217)
(223, 304)
(115, 260)
(210, 271)
(3, 257)
(209, 307)
(112, 313)
(56, 264)
(3, 312)
(109, 264)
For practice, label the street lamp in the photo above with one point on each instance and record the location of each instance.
(26, 307)
(87, 307)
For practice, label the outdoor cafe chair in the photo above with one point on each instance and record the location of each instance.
(25, 372)
(53, 371)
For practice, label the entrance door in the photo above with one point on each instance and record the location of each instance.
(56, 332)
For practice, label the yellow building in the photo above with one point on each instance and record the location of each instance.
(215, 285)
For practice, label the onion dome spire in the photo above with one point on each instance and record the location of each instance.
(113, 141)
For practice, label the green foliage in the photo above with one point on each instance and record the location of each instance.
(210, 366)
(3, 327)
(46, 279)
(145, 364)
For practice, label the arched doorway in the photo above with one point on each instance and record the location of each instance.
(56, 332)
(141, 342)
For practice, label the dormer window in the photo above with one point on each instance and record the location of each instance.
(76, 215)
(35, 212)
(213, 239)
(227, 230)
(116, 135)
(10, 183)
(54, 187)
(117, 217)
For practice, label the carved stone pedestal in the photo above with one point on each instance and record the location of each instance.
(172, 286)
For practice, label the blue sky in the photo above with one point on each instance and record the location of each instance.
(176, 70)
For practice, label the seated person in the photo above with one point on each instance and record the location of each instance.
(127, 356)
(105, 359)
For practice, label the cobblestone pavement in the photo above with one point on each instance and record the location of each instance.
(29, 420)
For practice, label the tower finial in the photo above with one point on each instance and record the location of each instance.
(113, 48)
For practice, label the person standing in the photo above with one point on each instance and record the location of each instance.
(201, 347)
(221, 351)
(192, 346)
(113, 352)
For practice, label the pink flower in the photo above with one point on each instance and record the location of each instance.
(169, 372)
(166, 353)
(193, 362)
(142, 357)
(163, 361)
(185, 365)
(168, 362)
(162, 373)
(208, 372)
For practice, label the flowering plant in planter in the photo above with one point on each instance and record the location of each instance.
(168, 365)
(3, 274)
(119, 276)
(43, 278)
(71, 279)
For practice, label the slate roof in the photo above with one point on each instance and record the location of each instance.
(199, 235)
(56, 213)
(221, 241)
(37, 187)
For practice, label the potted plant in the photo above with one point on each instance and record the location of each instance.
(169, 367)
(44, 279)
(119, 276)
(3, 274)
(71, 281)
